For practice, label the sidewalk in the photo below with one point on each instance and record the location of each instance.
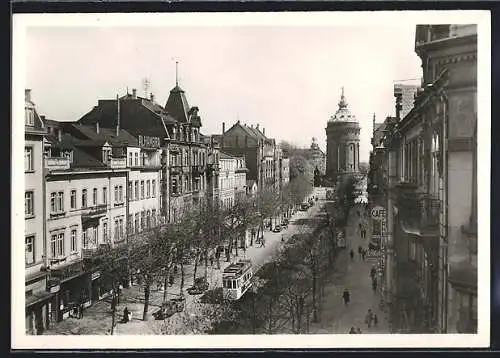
(336, 318)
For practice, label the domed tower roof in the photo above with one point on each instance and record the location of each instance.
(343, 114)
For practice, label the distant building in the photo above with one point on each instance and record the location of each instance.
(227, 165)
(240, 178)
(342, 133)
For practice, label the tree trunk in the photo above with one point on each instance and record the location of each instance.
(113, 313)
(147, 286)
(181, 290)
(206, 265)
(236, 247)
(314, 288)
(196, 259)
(165, 284)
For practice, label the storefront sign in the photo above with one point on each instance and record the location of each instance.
(149, 142)
(54, 289)
(96, 275)
(378, 213)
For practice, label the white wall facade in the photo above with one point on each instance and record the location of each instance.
(226, 181)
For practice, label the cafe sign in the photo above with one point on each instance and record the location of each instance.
(149, 142)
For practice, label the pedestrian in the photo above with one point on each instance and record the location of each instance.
(360, 251)
(80, 311)
(126, 315)
(211, 261)
(346, 296)
(352, 255)
(120, 289)
(374, 284)
(108, 332)
(369, 318)
(363, 255)
(352, 330)
(375, 320)
(113, 303)
(373, 272)
(358, 330)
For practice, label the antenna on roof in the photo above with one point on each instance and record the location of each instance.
(146, 85)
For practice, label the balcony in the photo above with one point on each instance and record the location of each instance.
(61, 163)
(175, 169)
(118, 163)
(197, 170)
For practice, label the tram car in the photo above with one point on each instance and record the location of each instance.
(237, 279)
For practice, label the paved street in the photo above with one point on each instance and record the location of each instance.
(335, 317)
(97, 318)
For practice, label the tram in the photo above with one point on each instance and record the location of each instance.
(237, 279)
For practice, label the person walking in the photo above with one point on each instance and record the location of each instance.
(375, 320)
(373, 272)
(126, 315)
(369, 318)
(352, 330)
(374, 284)
(358, 330)
(113, 303)
(351, 253)
(363, 255)
(346, 296)
(360, 251)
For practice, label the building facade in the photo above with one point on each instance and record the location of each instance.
(342, 143)
(430, 189)
(37, 298)
(227, 165)
(240, 178)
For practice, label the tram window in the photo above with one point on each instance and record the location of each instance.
(234, 284)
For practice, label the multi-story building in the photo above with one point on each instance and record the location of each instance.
(184, 155)
(258, 150)
(285, 170)
(37, 298)
(86, 208)
(240, 178)
(227, 165)
(431, 191)
(212, 169)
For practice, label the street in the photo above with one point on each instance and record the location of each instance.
(97, 318)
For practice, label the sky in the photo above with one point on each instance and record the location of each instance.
(287, 79)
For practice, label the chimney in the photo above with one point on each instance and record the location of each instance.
(223, 127)
(97, 127)
(118, 115)
(134, 93)
(257, 126)
(152, 96)
(27, 95)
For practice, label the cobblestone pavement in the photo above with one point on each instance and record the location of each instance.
(97, 318)
(335, 317)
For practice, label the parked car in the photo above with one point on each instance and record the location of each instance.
(200, 286)
(169, 308)
(277, 228)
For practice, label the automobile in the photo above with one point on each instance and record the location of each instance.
(169, 308)
(277, 228)
(200, 286)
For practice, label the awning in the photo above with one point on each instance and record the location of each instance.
(38, 297)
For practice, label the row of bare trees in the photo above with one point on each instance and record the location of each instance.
(152, 256)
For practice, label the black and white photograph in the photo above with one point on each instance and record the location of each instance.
(263, 180)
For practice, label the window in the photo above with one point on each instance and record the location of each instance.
(94, 196)
(29, 117)
(120, 229)
(143, 219)
(130, 196)
(30, 250)
(148, 219)
(57, 202)
(174, 186)
(73, 199)
(153, 186)
(435, 164)
(153, 217)
(130, 223)
(60, 201)
(85, 240)
(28, 159)
(105, 195)
(28, 204)
(116, 193)
(142, 189)
(148, 189)
(117, 231)
(105, 232)
(136, 222)
(57, 245)
(136, 157)
(129, 159)
(136, 185)
(120, 193)
(73, 243)
(84, 198)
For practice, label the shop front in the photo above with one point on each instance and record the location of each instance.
(37, 317)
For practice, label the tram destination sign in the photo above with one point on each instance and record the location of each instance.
(378, 213)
